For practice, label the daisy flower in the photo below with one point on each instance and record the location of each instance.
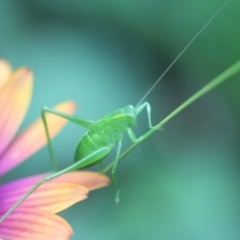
(35, 218)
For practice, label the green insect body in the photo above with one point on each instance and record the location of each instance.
(101, 137)
(105, 133)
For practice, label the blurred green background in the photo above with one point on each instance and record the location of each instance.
(183, 182)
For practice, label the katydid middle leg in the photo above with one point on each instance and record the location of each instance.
(117, 199)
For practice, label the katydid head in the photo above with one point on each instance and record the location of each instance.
(130, 115)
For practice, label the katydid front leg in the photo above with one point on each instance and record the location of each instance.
(148, 108)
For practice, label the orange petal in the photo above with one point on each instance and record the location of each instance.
(5, 71)
(15, 97)
(50, 196)
(90, 180)
(34, 224)
(33, 138)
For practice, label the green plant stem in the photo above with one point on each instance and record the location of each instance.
(210, 86)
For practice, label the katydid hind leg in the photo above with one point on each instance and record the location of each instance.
(79, 121)
(49, 142)
(95, 156)
(82, 163)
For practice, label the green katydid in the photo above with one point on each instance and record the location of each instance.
(105, 133)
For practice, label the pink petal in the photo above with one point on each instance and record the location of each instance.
(33, 138)
(50, 196)
(23, 182)
(15, 97)
(5, 71)
(34, 224)
(90, 180)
